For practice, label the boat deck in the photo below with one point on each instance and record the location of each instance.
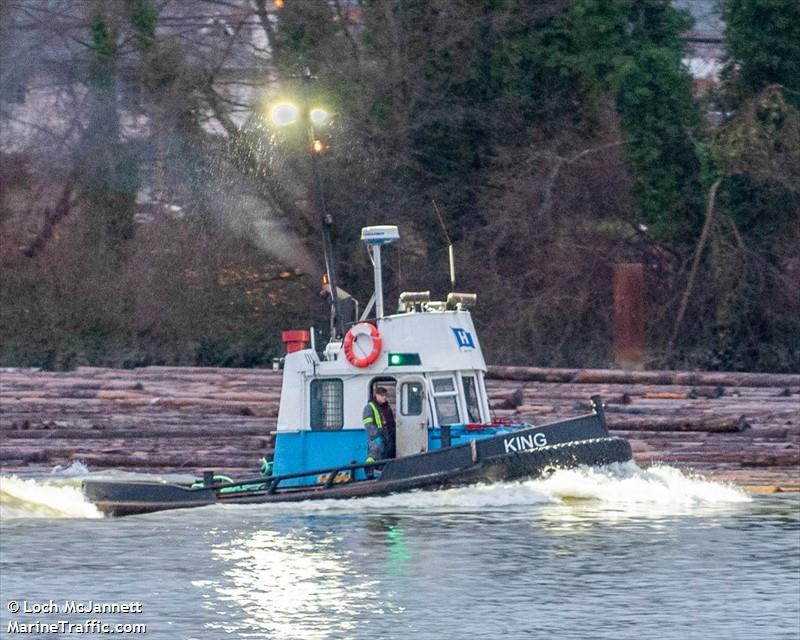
(743, 428)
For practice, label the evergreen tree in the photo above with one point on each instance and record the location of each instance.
(762, 40)
(633, 49)
(107, 168)
(757, 153)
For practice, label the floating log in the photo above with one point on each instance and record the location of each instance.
(535, 409)
(667, 395)
(534, 374)
(664, 378)
(709, 425)
(744, 459)
(706, 392)
(229, 433)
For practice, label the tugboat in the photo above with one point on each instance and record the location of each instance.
(427, 356)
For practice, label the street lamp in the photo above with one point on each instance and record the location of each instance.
(319, 116)
(285, 113)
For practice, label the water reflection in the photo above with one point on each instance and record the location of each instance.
(289, 585)
(392, 544)
(677, 566)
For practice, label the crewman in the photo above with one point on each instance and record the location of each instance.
(380, 426)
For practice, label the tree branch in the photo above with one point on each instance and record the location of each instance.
(51, 218)
(712, 196)
(560, 161)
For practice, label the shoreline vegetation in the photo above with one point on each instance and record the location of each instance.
(154, 213)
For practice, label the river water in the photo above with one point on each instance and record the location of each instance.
(617, 552)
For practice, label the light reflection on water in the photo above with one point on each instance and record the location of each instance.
(586, 555)
(281, 582)
(567, 570)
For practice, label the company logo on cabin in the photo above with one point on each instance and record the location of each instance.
(464, 339)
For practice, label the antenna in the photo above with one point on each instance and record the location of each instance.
(374, 238)
(450, 254)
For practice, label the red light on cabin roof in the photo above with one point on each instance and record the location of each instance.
(295, 340)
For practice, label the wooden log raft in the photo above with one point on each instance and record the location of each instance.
(736, 426)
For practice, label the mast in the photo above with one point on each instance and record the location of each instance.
(326, 220)
(375, 237)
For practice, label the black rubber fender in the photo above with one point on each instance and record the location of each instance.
(543, 461)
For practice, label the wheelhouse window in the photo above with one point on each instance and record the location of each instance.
(445, 398)
(327, 412)
(412, 396)
(471, 399)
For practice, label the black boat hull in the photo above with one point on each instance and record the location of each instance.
(477, 462)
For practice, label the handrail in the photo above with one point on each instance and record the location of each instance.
(273, 481)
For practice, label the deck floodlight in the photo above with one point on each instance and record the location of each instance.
(461, 301)
(284, 113)
(413, 301)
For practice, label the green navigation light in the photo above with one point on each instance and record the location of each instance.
(404, 359)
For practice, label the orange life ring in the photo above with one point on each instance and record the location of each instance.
(363, 328)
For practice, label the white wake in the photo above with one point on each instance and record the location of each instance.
(622, 487)
(40, 498)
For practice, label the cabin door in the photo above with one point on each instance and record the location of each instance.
(411, 416)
